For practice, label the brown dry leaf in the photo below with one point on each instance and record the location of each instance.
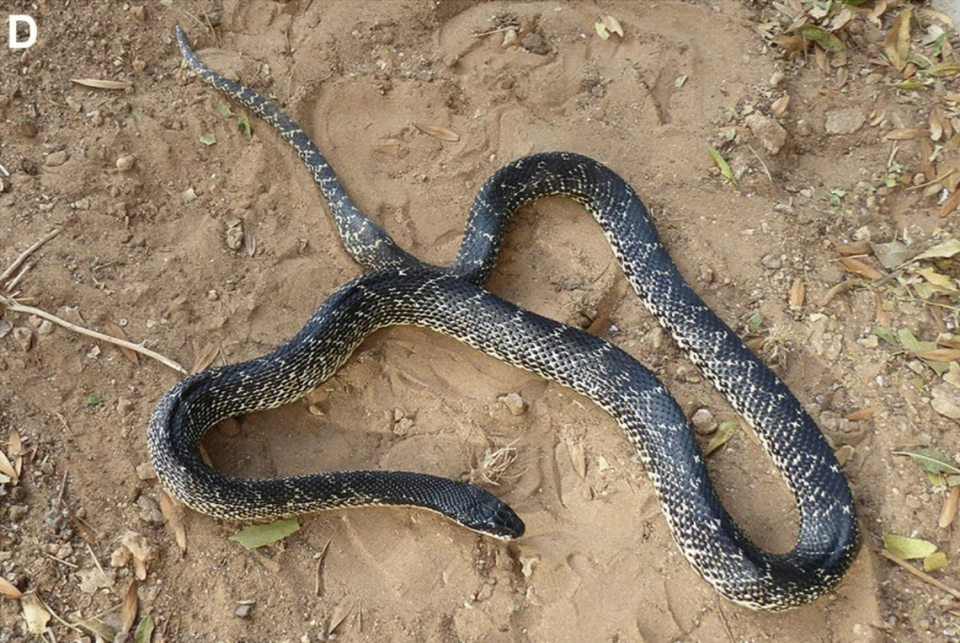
(936, 123)
(897, 45)
(863, 414)
(860, 268)
(844, 453)
(855, 248)
(798, 293)
(873, 15)
(907, 134)
(953, 98)
(823, 61)
(442, 133)
(8, 589)
(16, 450)
(883, 317)
(249, 242)
(612, 25)
(926, 166)
(340, 613)
(940, 355)
(779, 106)
(96, 83)
(206, 357)
(950, 204)
(843, 74)
(388, 146)
(173, 513)
(117, 333)
(792, 44)
(7, 469)
(577, 458)
(35, 614)
(755, 344)
(949, 510)
(128, 611)
(724, 432)
(833, 292)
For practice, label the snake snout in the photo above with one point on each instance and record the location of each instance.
(493, 517)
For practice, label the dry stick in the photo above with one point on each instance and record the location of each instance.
(26, 253)
(927, 578)
(30, 310)
(723, 619)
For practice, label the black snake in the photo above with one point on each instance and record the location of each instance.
(404, 290)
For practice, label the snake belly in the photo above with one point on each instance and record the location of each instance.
(449, 300)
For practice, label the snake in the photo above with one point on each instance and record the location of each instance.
(400, 289)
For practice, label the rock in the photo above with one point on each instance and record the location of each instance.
(946, 400)
(16, 512)
(146, 472)
(777, 78)
(688, 373)
(188, 195)
(24, 337)
(403, 426)
(125, 163)
(56, 159)
(234, 234)
(771, 262)
(243, 611)
(139, 546)
(120, 557)
(535, 44)
(514, 403)
(844, 121)
(768, 131)
(124, 406)
(149, 510)
(703, 422)
(93, 578)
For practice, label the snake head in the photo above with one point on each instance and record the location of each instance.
(491, 517)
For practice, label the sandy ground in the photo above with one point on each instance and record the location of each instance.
(141, 250)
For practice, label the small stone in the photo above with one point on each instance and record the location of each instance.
(243, 611)
(771, 262)
(75, 104)
(138, 546)
(527, 564)
(688, 373)
(188, 195)
(485, 593)
(56, 159)
(777, 78)
(654, 337)
(212, 295)
(316, 411)
(16, 512)
(535, 44)
(145, 472)
(514, 403)
(120, 557)
(24, 337)
(93, 578)
(126, 162)
(946, 400)
(139, 12)
(768, 131)
(149, 510)
(704, 422)
(234, 235)
(45, 328)
(912, 501)
(403, 427)
(844, 121)
(124, 406)
(450, 59)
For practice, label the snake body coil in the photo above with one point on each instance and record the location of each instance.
(404, 290)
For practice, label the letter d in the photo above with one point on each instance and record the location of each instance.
(31, 39)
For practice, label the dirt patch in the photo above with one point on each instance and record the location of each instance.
(151, 246)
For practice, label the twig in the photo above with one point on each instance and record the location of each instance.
(493, 31)
(927, 578)
(723, 619)
(30, 310)
(4, 170)
(61, 561)
(95, 560)
(762, 164)
(320, 559)
(57, 616)
(935, 179)
(20, 275)
(26, 253)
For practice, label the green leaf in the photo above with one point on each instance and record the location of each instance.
(724, 167)
(943, 250)
(93, 400)
(224, 110)
(935, 561)
(243, 124)
(886, 335)
(822, 37)
(208, 139)
(755, 322)
(908, 548)
(144, 631)
(725, 431)
(908, 85)
(259, 535)
(930, 461)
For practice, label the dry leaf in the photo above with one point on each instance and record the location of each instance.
(577, 458)
(340, 613)
(950, 204)
(940, 355)
(897, 45)
(860, 268)
(117, 333)
(936, 123)
(128, 611)
(949, 510)
(35, 614)
(96, 83)
(613, 25)
(882, 316)
(250, 242)
(798, 293)
(15, 445)
(206, 357)
(863, 414)
(907, 134)
(442, 133)
(855, 248)
(844, 453)
(822, 61)
(8, 589)
(389, 146)
(779, 106)
(173, 513)
(7, 469)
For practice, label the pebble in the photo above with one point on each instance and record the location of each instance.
(24, 337)
(777, 78)
(16, 512)
(125, 163)
(145, 471)
(535, 44)
(689, 374)
(844, 121)
(243, 611)
(188, 195)
(912, 501)
(403, 426)
(703, 422)
(514, 403)
(768, 131)
(124, 406)
(771, 262)
(56, 159)
(149, 510)
(946, 400)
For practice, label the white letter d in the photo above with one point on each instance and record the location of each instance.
(31, 39)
